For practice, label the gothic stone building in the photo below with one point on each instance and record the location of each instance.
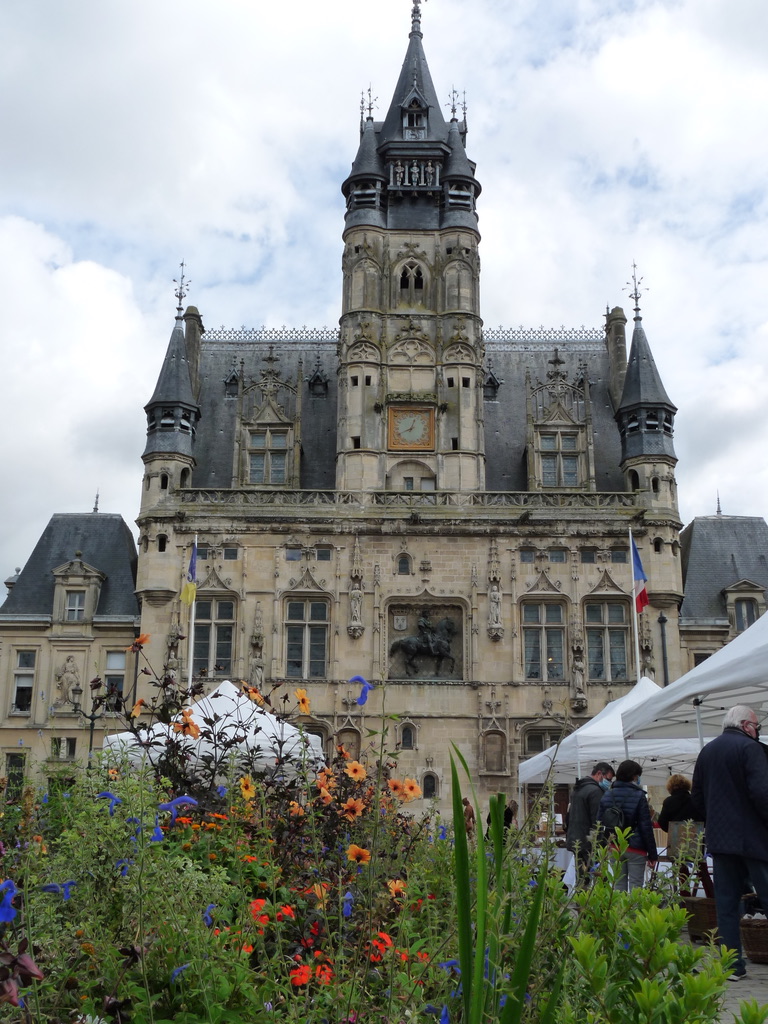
(440, 508)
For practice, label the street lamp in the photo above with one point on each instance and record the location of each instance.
(93, 717)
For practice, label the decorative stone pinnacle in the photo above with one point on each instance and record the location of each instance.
(181, 290)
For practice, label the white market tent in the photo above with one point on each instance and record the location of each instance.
(694, 705)
(601, 739)
(262, 736)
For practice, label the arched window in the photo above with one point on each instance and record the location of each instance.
(429, 785)
(407, 737)
(163, 481)
(349, 739)
(658, 545)
(404, 565)
(184, 480)
(655, 485)
(162, 542)
(634, 481)
(412, 284)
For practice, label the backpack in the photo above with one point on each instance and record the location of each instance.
(612, 817)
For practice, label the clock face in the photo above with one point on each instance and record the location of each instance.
(410, 428)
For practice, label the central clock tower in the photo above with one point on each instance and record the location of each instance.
(410, 368)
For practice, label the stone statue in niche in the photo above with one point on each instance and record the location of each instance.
(495, 628)
(256, 668)
(355, 627)
(67, 677)
(578, 696)
(399, 173)
(415, 176)
(429, 173)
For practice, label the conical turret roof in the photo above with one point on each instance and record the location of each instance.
(642, 383)
(174, 384)
(415, 82)
(367, 163)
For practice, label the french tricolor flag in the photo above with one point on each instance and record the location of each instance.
(639, 579)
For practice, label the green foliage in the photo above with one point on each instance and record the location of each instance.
(310, 901)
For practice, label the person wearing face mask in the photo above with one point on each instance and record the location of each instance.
(730, 794)
(582, 813)
(627, 795)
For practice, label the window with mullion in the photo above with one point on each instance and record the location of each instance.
(268, 456)
(607, 641)
(543, 642)
(559, 459)
(306, 633)
(214, 637)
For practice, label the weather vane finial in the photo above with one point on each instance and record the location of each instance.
(635, 293)
(372, 100)
(453, 97)
(416, 15)
(182, 287)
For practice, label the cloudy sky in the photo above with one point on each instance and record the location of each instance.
(137, 133)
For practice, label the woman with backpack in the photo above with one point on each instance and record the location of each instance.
(625, 806)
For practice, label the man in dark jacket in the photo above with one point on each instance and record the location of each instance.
(730, 794)
(582, 812)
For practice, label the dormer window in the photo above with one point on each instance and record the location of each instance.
(268, 452)
(414, 120)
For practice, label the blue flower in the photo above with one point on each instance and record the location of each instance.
(113, 801)
(444, 1018)
(450, 966)
(123, 866)
(177, 971)
(7, 910)
(65, 889)
(157, 833)
(348, 900)
(442, 832)
(366, 688)
(174, 805)
(222, 791)
(207, 919)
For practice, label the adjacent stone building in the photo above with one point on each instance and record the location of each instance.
(69, 616)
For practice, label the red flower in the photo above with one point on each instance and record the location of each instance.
(324, 973)
(301, 975)
(285, 911)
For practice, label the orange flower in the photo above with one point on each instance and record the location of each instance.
(324, 973)
(253, 694)
(382, 942)
(325, 780)
(342, 752)
(301, 975)
(396, 887)
(397, 788)
(355, 771)
(257, 911)
(247, 787)
(325, 797)
(139, 642)
(412, 789)
(187, 727)
(136, 711)
(296, 810)
(352, 809)
(320, 891)
(284, 911)
(358, 854)
(301, 697)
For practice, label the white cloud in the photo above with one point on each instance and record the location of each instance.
(144, 133)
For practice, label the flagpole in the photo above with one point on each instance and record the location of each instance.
(634, 608)
(191, 632)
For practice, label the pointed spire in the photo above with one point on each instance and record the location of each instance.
(96, 501)
(719, 510)
(415, 83)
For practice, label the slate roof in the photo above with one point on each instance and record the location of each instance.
(105, 542)
(642, 383)
(505, 418)
(718, 551)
